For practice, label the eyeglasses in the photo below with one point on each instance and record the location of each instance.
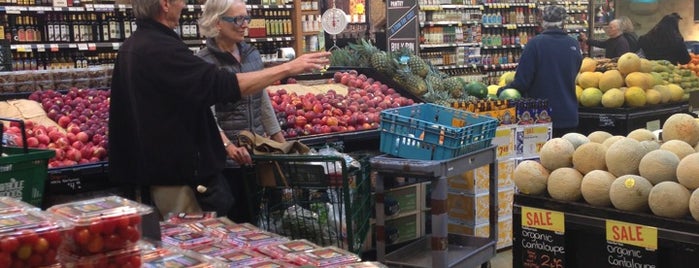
(237, 20)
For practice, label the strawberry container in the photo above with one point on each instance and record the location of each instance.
(238, 257)
(225, 231)
(176, 258)
(207, 225)
(180, 218)
(282, 249)
(125, 258)
(29, 239)
(326, 256)
(102, 224)
(187, 239)
(253, 239)
(212, 249)
(269, 264)
(11, 205)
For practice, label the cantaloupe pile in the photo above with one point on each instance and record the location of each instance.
(637, 172)
(635, 82)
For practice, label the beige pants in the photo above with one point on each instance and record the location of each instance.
(174, 199)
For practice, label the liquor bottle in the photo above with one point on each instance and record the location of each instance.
(30, 30)
(104, 22)
(85, 28)
(75, 29)
(194, 27)
(184, 23)
(64, 28)
(21, 34)
(133, 23)
(114, 27)
(50, 29)
(126, 25)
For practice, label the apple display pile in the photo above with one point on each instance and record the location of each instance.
(83, 113)
(330, 112)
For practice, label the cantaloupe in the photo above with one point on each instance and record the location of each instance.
(624, 156)
(694, 204)
(611, 79)
(641, 134)
(530, 177)
(635, 97)
(630, 193)
(688, 171)
(595, 187)
(678, 147)
(589, 157)
(658, 166)
(676, 92)
(556, 153)
(588, 65)
(681, 127)
(629, 62)
(611, 140)
(576, 139)
(564, 184)
(638, 79)
(669, 199)
(613, 98)
(653, 97)
(599, 136)
(650, 145)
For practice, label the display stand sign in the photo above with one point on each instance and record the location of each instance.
(631, 245)
(543, 238)
(402, 30)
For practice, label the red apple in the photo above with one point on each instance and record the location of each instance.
(82, 136)
(64, 120)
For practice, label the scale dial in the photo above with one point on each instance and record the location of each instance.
(334, 21)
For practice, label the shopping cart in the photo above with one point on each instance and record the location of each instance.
(323, 199)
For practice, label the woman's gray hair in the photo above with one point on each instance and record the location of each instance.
(550, 25)
(146, 9)
(213, 10)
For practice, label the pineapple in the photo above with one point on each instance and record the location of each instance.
(418, 66)
(382, 62)
(436, 97)
(454, 86)
(341, 57)
(435, 81)
(411, 82)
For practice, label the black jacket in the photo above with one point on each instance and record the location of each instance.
(613, 47)
(161, 129)
(673, 50)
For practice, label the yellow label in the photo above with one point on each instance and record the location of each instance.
(629, 183)
(503, 132)
(543, 219)
(536, 130)
(632, 234)
(456, 122)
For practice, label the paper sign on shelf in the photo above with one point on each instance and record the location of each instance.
(543, 219)
(632, 234)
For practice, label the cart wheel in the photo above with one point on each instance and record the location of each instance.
(485, 265)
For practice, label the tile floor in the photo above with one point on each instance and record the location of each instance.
(502, 260)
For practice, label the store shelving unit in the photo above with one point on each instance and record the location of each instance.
(439, 249)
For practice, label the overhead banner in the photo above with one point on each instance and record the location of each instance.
(401, 24)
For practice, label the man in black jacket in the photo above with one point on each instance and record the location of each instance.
(162, 136)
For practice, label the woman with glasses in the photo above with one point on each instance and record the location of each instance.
(223, 23)
(616, 45)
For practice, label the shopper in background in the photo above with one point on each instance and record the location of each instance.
(164, 143)
(616, 45)
(223, 23)
(627, 30)
(547, 70)
(665, 42)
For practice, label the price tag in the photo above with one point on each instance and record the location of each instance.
(190, 8)
(12, 10)
(82, 46)
(75, 9)
(53, 47)
(505, 141)
(631, 244)
(24, 48)
(542, 238)
(116, 46)
(40, 48)
(91, 46)
(121, 7)
(253, 40)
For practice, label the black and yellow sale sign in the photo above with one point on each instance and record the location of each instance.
(631, 245)
(543, 238)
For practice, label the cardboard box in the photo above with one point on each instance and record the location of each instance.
(530, 138)
(505, 141)
(401, 200)
(478, 180)
(474, 209)
(483, 230)
(402, 229)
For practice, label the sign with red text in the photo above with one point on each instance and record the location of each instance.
(543, 238)
(631, 245)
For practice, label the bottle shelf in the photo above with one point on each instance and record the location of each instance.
(444, 45)
(448, 23)
(112, 7)
(502, 47)
(443, 7)
(508, 5)
(510, 25)
(485, 67)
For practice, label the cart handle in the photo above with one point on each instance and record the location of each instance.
(24, 133)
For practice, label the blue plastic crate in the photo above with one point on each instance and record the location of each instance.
(432, 132)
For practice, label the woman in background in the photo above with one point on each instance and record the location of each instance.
(627, 30)
(665, 42)
(223, 23)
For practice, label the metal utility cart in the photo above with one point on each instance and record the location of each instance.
(439, 249)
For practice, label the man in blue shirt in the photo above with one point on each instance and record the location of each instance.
(547, 70)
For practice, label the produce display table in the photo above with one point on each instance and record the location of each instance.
(621, 121)
(585, 237)
(440, 249)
